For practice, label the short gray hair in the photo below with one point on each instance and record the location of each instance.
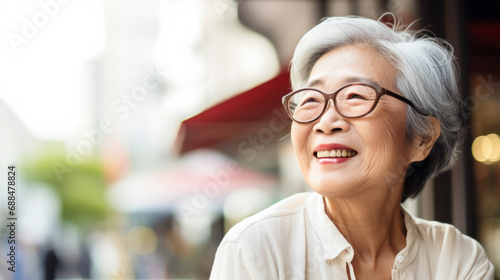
(427, 75)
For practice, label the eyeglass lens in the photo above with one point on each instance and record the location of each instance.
(351, 101)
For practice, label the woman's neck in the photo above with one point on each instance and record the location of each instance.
(374, 226)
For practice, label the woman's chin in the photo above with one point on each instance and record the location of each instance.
(332, 187)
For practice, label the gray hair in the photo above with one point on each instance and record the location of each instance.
(427, 75)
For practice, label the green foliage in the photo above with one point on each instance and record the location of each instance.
(81, 187)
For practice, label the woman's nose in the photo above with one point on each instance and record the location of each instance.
(331, 120)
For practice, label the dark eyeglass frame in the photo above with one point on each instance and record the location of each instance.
(379, 90)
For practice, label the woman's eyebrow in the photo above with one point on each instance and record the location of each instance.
(352, 79)
(361, 80)
(314, 83)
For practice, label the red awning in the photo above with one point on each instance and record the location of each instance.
(237, 118)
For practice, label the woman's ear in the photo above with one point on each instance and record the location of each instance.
(422, 146)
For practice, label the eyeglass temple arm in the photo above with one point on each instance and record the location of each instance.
(397, 96)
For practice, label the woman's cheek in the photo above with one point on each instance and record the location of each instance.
(384, 151)
(378, 159)
(299, 137)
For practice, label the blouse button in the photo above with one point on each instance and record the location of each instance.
(401, 259)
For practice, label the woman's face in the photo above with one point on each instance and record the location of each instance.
(379, 148)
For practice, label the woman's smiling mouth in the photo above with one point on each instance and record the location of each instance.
(336, 153)
(333, 153)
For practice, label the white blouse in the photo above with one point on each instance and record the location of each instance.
(295, 239)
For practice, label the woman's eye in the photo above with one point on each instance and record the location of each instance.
(355, 96)
(309, 100)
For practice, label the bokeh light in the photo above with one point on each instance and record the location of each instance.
(142, 240)
(486, 148)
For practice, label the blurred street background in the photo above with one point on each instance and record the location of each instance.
(141, 131)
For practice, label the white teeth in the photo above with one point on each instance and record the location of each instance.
(336, 153)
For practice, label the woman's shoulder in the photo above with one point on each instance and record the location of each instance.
(438, 235)
(442, 233)
(452, 251)
(253, 248)
(274, 217)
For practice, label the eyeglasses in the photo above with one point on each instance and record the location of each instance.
(354, 100)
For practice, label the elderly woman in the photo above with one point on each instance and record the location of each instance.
(376, 113)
